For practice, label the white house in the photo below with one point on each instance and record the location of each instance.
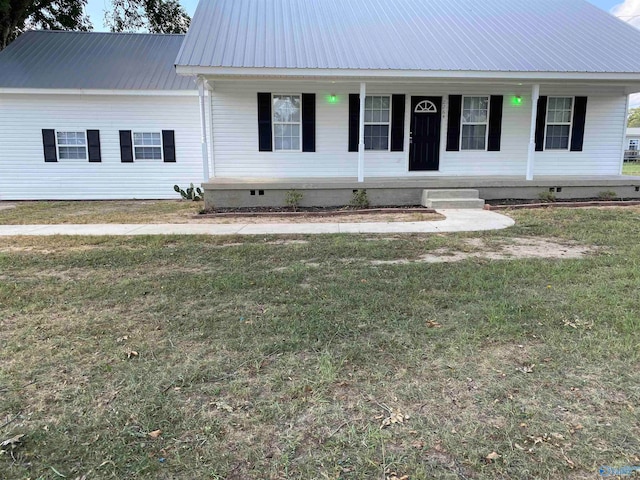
(632, 144)
(326, 96)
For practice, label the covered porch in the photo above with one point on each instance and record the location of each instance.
(384, 191)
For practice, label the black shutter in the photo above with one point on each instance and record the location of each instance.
(453, 123)
(126, 148)
(308, 122)
(168, 145)
(265, 143)
(541, 121)
(354, 121)
(495, 123)
(397, 123)
(49, 144)
(579, 115)
(93, 144)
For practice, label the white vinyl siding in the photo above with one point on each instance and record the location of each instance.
(475, 118)
(72, 145)
(235, 133)
(558, 127)
(287, 122)
(23, 117)
(377, 118)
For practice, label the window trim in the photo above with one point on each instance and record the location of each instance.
(273, 124)
(637, 144)
(86, 144)
(546, 123)
(388, 124)
(133, 146)
(485, 123)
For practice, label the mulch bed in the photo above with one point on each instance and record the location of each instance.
(520, 204)
(307, 212)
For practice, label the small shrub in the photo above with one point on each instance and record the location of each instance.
(359, 199)
(191, 193)
(292, 199)
(607, 195)
(547, 196)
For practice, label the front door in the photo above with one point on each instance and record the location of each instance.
(424, 138)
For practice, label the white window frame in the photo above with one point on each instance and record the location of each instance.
(86, 144)
(388, 124)
(547, 123)
(133, 146)
(485, 123)
(637, 144)
(273, 123)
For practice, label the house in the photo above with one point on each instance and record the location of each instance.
(632, 145)
(327, 97)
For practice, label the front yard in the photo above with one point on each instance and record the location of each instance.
(512, 354)
(631, 169)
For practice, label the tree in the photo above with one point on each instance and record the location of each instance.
(634, 117)
(16, 16)
(155, 16)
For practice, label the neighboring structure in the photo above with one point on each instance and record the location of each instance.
(632, 145)
(329, 96)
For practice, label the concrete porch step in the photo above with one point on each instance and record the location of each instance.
(450, 193)
(451, 198)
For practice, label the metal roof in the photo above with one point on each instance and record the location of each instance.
(436, 35)
(92, 60)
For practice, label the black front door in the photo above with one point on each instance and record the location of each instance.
(424, 151)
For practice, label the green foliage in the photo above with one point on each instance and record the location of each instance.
(155, 16)
(547, 197)
(634, 118)
(191, 193)
(16, 16)
(359, 199)
(607, 195)
(293, 198)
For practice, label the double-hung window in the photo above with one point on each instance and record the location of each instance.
(147, 146)
(559, 111)
(287, 125)
(72, 145)
(377, 114)
(633, 144)
(475, 115)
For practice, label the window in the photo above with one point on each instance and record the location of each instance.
(147, 146)
(475, 114)
(72, 145)
(376, 123)
(558, 123)
(633, 144)
(286, 122)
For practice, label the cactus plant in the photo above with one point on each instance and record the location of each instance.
(192, 193)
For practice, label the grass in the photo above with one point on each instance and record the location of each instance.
(631, 169)
(279, 359)
(117, 211)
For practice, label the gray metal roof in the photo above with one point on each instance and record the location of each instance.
(92, 60)
(451, 35)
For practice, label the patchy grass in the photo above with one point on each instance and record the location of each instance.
(108, 211)
(631, 169)
(270, 359)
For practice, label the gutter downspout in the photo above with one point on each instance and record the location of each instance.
(363, 96)
(624, 135)
(535, 95)
(203, 130)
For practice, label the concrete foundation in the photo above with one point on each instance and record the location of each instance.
(334, 192)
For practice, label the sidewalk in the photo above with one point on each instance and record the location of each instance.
(455, 221)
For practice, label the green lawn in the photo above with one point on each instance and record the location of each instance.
(271, 358)
(631, 169)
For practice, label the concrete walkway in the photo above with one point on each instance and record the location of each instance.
(455, 221)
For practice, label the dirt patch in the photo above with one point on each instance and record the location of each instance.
(6, 206)
(511, 249)
(354, 218)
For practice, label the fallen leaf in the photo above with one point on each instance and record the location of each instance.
(12, 442)
(155, 433)
(493, 456)
(132, 354)
(432, 324)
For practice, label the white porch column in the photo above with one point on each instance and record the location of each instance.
(203, 130)
(625, 145)
(535, 95)
(363, 95)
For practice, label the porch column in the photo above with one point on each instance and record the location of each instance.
(363, 95)
(535, 95)
(203, 130)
